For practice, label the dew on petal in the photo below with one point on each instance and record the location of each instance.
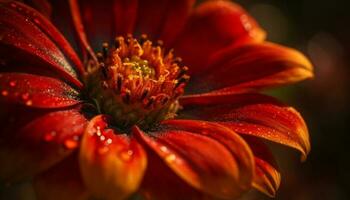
(126, 155)
(71, 143)
(4, 93)
(25, 96)
(12, 83)
(170, 158)
(50, 136)
(29, 102)
(109, 141)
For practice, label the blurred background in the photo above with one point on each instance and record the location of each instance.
(320, 29)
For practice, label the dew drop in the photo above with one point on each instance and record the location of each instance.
(71, 143)
(4, 93)
(29, 102)
(164, 149)
(126, 155)
(49, 136)
(102, 137)
(12, 83)
(109, 141)
(25, 96)
(170, 158)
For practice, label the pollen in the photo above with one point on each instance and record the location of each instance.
(136, 81)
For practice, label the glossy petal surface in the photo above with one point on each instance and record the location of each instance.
(36, 91)
(63, 181)
(112, 164)
(40, 144)
(252, 114)
(194, 158)
(253, 66)
(267, 177)
(20, 35)
(212, 26)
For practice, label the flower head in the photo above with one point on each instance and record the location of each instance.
(163, 102)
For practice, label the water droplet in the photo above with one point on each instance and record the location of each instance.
(109, 141)
(164, 149)
(102, 137)
(4, 93)
(98, 131)
(70, 143)
(12, 83)
(49, 136)
(29, 102)
(170, 158)
(25, 96)
(126, 155)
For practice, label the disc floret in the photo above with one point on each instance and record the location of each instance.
(136, 82)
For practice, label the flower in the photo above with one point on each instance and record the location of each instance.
(134, 119)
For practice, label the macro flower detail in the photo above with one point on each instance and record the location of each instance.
(162, 101)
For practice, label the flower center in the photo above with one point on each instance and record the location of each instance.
(136, 82)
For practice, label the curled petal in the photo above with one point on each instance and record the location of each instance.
(40, 144)
(36, 91)
(193, 158)
(212, 26)
(20, 35)
(63, 181)
(253, 66)
(252, 114)
(112, 164)
(267, 177)
(231, 140)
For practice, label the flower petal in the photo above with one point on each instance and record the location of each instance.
(267, 177)
(63, 181)
(20, 35)
(253, 66)
(49, 29)
(212, 26)
(233, 142)
(112, 164)
(193, 157)
(36, 91)
(252, 114)
(167, 18)
(39, 144)
(125, 12)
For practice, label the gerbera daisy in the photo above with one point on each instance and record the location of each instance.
(163, 101)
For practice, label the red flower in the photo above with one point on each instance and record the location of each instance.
(122, 121)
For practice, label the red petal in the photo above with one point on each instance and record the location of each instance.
(253, 66)
(215, 25)
(40, 144)
(50, 30)
(125, 12)
(80, 30)
(36, 91)
(63, 181)
(167, 18)
(233, 142)
(253, 114)
(20, 35)
(267, 177)
(193, 157)
(98, 21)
(112, 163)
